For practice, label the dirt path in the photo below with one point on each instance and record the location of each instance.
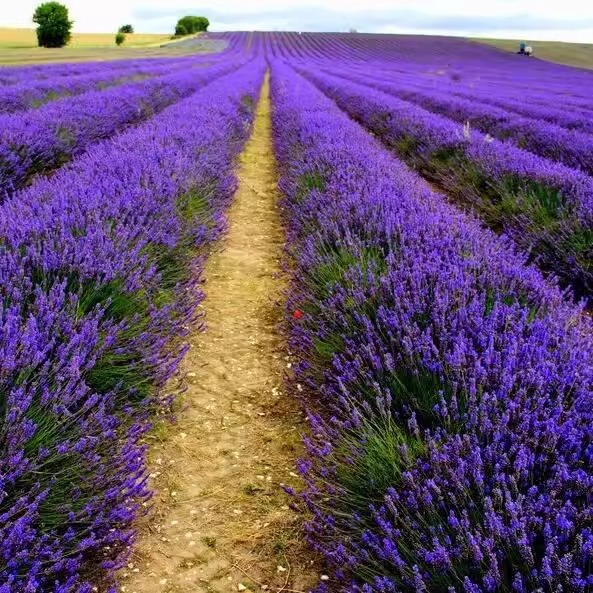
(221, 521)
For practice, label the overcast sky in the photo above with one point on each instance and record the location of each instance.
(567, 20)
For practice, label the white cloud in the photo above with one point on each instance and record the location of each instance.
(571, 20)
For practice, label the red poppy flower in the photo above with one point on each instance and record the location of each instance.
(297, 314)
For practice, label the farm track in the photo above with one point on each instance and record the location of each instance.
(221, 521)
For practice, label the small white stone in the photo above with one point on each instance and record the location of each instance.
(281, 568)
(241, 587)
(324, 577)
(163, 581)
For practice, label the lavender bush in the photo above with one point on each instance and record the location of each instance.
(518, 97)
(33, 142)
(99, 268)
(544, 206)
(35, 93)
(570, 147)
(42, 73)
(450, 383)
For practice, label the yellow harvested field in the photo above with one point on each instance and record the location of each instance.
(19, 46)
(26, 38)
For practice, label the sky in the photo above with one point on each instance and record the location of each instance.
(566, 20)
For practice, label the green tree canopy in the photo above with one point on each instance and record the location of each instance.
(120, 38)
(54, 28)
(188, 25)
(126, 29)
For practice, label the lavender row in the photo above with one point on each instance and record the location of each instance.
(572, 114)
(561, 130)
(449, 384)
(523, 88)
(569, 147)
(10, 75)
(14, 75)
(33, 94)
(562, 109)
(42, 139)
(441, 59)
(573, 118)
(496, 95)
(546, 207)
(99, 268)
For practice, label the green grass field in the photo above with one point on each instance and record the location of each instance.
(571, 54)
(19, 46)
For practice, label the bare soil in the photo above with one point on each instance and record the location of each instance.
(221, 520)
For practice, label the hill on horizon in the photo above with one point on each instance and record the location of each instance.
(20, 45)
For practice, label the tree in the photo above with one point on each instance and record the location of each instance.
(188, 25)
(54, 27)
(180, 30)
(202, 23)
(120, 38)
(126, 29)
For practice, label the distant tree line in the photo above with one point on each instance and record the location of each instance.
(54, 27)
(188, 25)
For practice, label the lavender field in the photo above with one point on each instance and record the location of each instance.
(436, 201)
